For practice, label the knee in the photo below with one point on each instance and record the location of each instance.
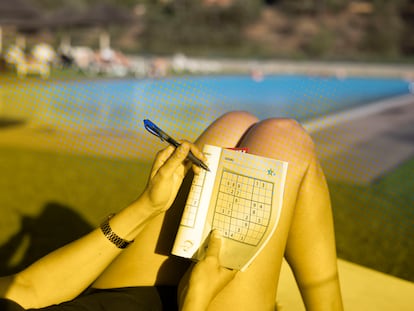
(291, 131)
(239, 117)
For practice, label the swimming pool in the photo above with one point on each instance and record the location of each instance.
(191, 103)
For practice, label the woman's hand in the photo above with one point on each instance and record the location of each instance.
(206, 280)
(168, 171)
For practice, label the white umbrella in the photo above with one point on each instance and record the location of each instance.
(17, 13)
(43, 52)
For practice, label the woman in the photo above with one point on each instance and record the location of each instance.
(145, 274)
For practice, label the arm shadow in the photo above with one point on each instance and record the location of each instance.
(54, 227)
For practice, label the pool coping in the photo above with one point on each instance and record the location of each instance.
(361, 145)
(335, 119)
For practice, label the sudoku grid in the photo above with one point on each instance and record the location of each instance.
(243, 207)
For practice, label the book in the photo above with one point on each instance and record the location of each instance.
(241, 196)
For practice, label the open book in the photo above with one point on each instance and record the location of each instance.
(241, 197)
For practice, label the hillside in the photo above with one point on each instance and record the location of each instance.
(298, 29)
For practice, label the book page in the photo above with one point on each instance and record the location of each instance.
(191, 230)
(244, 204)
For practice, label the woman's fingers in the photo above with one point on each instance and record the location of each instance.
(198, 154)
(170, 158)
(170, 165)
(213, 250)
(161, 157)
(214, 244)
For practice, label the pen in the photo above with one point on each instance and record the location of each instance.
(155, 130)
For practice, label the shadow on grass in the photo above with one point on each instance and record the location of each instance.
(55, 226)
(7, 122)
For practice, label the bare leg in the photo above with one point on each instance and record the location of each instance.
(305, 228)
(146, 261)
(310, 247)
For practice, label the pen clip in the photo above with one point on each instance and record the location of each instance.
(153, 129)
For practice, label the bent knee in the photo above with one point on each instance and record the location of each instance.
(239, 117)
(291, 130)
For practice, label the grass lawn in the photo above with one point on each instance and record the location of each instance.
(375, 224)
(47, 199)
(9, 76)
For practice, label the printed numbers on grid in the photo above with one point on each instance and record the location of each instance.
(243, 208)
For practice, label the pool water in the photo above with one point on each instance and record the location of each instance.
(192, 102)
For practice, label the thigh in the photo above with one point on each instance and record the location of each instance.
(256, 287)
(147, 261)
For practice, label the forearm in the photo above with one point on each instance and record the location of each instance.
(66, 272)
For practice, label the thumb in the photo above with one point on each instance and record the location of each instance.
(214, 244)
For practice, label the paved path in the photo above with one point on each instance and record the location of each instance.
(363, 144)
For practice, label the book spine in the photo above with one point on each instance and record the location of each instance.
(191, 231)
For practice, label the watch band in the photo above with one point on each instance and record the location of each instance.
(112, 236)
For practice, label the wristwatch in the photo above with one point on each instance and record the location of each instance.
(112, 236)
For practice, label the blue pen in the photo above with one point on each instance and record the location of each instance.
(155, 130)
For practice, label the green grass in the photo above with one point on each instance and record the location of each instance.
(48, 199)
(375, 224)
(68, 74)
